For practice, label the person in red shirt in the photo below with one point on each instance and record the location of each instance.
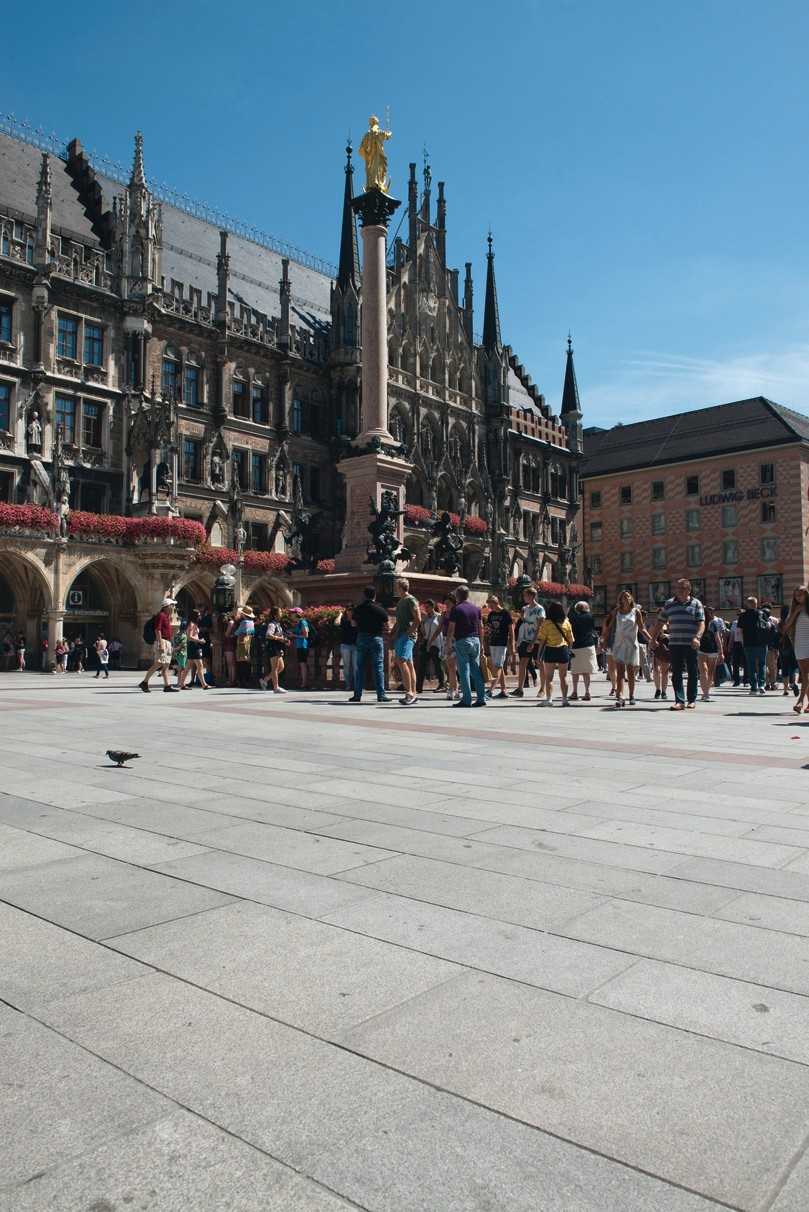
(162, 648)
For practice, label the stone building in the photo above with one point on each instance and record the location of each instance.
(719, 495)
(189, 362)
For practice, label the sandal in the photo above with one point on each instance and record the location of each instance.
(677, 707)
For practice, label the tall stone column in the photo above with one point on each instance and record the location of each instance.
(374, 209)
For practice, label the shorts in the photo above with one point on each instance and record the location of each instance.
(302, 655)
(556, 656)
(525, 647)
(274, 649)
(195, 650)
(181, 660)
(162, 651)
(497, 655)
(403, 648)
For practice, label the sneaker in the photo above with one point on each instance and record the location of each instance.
(170, 690)
(461, 703)
(631, 702)
(457, 696)
(280, 690)
(501, 695)
(565, 702)
(754, 692)
(761, 690)
(354, 699)
(408, 700)
(665, 694)
(544, 703)
(489, 694)
(479, 703)
(144, 686)
(657, 694)
(450, 696)
(518, 693)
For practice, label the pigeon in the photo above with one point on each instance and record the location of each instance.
(119, 757)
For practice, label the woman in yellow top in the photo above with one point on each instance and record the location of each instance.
(556, 635)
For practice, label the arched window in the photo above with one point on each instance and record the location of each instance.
(536, 477)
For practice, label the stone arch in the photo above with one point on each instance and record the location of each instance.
(193, 592)
(268, 591)
(25, 599)
(112, 598)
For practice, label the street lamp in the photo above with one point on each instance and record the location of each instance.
(241, 538)
(222, 594)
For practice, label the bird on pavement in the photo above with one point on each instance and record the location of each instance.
(119, 757)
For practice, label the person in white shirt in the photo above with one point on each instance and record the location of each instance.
(429, 648)
(533, 616)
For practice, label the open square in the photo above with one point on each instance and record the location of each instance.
(307, 956)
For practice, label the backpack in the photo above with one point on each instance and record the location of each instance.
(149, 633)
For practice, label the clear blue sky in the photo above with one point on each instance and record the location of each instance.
(644, 166)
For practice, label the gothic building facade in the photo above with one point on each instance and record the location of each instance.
(186, 361)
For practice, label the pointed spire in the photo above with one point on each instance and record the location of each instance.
(138, 175)
(468, 303)
(412, 212)
(44, 186)
(491, 312)
(348, 271)
(570, 391)
(425, 197)
(441, 224)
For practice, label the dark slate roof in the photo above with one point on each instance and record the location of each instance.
(19, 173)
(190, 247)
(720, 429)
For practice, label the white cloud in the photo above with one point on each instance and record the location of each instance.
(654, 384)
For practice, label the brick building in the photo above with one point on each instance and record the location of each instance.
(718, 495)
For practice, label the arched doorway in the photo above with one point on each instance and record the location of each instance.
(101, 600)
(25, 599)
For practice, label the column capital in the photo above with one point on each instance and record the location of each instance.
(374, 208)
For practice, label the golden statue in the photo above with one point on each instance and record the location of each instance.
(372, 150)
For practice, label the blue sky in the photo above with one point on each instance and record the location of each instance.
(644, 166)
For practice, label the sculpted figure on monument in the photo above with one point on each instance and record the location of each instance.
(382, 529)
(372, 150)
(445, 550)
(217, 469)
(34, 432)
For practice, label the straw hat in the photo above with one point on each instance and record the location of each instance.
(247, 612)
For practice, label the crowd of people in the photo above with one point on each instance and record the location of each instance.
(468, 651)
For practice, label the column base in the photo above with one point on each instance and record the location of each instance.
(366, 477)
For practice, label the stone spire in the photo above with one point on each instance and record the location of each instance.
(412, 212)
(222, 278)
(571, 415)
(468, 308)
(570, 391)
(348, 271)
(138, 177)
(491, 312)
(285, 293)
(425, 197)
(441, 224)
(42, 243)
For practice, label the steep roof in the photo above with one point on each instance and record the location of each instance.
(719, 429)
(20, 165)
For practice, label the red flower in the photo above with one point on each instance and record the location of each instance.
(28, 517)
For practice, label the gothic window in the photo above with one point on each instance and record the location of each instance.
(66, 418)
(536, 477)
(260, 409)
(297, 416)
(192, 460)
(67, 337)
(6, 326)
(241, 406)
(91, 425)
(191, 393)
(239, 459)
(558, 483)
(436, 372)
(258, 473)
(170, 377)
(93, 344)
(5, 406)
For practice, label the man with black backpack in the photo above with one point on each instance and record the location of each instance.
(158, 632)
(755, 629)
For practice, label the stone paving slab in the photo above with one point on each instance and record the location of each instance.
(100, 897)
(59, 1101)
(525, 955)
(19, 850)
(41, 962)
(174, 1165)
(611, 854)
(754, 1016)
(490, 894)
(391, 1143)
(695, 1111)
(767, 912)
(290, 848)
(725, 948)
(303, 972)
(744, 878)
(257, 880)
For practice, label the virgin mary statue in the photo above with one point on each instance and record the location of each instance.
(372, 150)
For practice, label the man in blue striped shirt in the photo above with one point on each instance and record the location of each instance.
(686, 620)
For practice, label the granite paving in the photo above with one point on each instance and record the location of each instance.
(305, 958)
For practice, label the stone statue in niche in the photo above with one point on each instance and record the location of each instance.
(217, 470)
(34, 432)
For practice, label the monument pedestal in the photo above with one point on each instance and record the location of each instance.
(366, 477)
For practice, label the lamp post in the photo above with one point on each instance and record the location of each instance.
(222, 594)
(241, 539)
